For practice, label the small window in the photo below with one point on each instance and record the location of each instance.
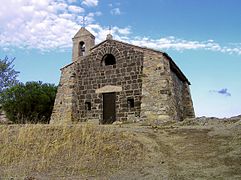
(130, 103)
(87, 106)
(108, 59)
(81, 48)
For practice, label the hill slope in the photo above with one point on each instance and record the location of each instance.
(196, 148)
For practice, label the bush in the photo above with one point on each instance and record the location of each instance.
(29, 103)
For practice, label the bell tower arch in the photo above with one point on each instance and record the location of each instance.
(83, 41)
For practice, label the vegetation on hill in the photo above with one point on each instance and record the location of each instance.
(31, 102)
(201, 148)
(64, 151)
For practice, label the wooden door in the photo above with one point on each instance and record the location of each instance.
(109, 113)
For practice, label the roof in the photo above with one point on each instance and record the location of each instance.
(173, 65)
(83, 32)
(176, 69)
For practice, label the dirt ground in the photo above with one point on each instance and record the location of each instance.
(201, 148)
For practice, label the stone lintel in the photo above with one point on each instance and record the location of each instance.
(109, 89)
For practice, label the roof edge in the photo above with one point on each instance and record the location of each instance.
(128, 44)
(83, 29)
(176, 69)
(66, 66)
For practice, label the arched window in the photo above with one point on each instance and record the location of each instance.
(108, 59)
(81, 48)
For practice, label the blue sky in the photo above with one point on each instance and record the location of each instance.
(202, 36)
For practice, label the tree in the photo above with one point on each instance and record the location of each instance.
(7, 74)
(29, 103)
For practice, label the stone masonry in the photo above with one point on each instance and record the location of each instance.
(3, 118)
(116, 81)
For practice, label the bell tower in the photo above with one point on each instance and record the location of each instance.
(83, 41)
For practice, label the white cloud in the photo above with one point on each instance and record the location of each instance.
(123, 31)
(75, 9)
(181, 44)
(98, 13)
(50, 24)
(115, 11)
(71, 1)
(45, 24)
(101, 32)
(90, 2)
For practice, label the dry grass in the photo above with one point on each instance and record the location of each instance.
(62, 151)
(201, 148)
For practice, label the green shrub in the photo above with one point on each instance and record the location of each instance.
(29, 103)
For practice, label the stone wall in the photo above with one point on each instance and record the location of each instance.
(92, 75)
(150, 78)
(62, 111)
(181, 102)
(177, 90)
(188, 110)
(156, 90)
(3, 118)
(165, 95)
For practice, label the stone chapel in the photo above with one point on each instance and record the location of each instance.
(116, 81)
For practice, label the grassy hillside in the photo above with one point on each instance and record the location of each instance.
(60, 151)
(193, 149)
